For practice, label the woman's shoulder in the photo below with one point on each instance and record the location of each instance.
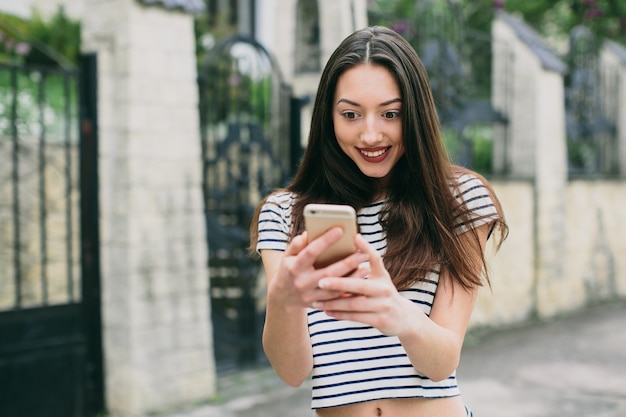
(464, 179)
(477, 203)
(281, 199)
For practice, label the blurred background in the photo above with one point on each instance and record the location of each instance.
(138, 136)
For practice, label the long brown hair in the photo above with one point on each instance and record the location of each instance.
(419, 213)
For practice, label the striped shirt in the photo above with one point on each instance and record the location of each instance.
(353, 362)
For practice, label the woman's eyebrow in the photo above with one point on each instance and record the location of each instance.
(393, 100)
(350, 102)
(384, 103)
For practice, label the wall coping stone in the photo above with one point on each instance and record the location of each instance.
(549, 60)
(188, 6)
(617, 49)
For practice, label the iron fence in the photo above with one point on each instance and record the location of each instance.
(50, 349)
(39, 189)
(591, 102)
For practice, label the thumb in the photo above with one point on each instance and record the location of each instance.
(297, 244)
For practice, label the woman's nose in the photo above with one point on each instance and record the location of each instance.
(371, 132)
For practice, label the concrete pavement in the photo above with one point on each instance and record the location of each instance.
(568, 367)
(573, 366)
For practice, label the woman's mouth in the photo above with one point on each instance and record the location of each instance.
(374, 154)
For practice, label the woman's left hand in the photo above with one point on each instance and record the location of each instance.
(373, 301)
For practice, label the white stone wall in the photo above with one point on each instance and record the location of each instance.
(593, 268)
(511, 297)
(156, 321)
(596, 224)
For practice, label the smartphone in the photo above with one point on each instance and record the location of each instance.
(319, 218)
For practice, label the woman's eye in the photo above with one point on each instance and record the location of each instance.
(350, 115)
(391, 114)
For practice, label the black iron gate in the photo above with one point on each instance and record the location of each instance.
(246, 131)
(50, 355)
(591, 107)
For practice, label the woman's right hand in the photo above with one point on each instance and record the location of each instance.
(294, 280)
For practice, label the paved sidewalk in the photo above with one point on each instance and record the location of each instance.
(573, 366)
(569, 367)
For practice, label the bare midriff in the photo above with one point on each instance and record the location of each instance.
(409, 407)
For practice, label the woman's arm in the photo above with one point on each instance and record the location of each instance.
(433, 343)
(291, 288)
(285, 335)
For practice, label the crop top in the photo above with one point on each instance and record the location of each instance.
(353, 362)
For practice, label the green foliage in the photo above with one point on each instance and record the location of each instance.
(554, 19)
(482, 142)
(582, 157)
(37, 94)
(209, 30)
(481, 139)
(452, 142)
(47, 97)
(12, 49)
(45, 42)
(605, 18)
(60, 33)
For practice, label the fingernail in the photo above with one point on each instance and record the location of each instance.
(321, 283)
(317, 304)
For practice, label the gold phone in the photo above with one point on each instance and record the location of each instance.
(319, 218)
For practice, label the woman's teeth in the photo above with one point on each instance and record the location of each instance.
(373, 154)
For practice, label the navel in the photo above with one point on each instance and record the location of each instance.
(379, 412)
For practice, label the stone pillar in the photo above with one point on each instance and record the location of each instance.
(338, 19)
(531, 94)
(156, 320)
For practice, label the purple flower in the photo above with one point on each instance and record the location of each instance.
(400, 27)
(234, 80)
(22, 48)
(593, 13)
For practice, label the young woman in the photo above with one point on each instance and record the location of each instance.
(392, 347)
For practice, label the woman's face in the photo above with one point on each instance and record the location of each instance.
(366, 117)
